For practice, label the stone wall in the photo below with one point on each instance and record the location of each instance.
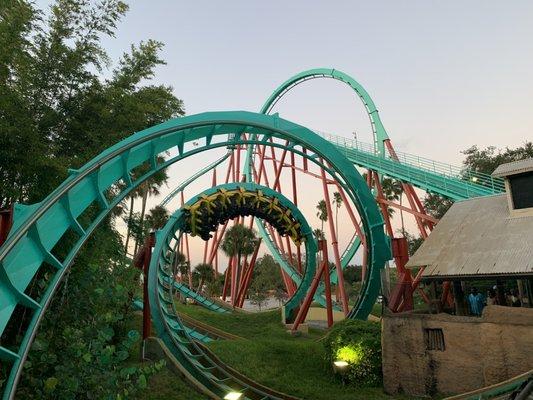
(477, 351)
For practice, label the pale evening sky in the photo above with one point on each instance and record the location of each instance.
(444, 75)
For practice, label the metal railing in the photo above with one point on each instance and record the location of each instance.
(477, 182)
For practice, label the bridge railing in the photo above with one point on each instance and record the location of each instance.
(468, 176)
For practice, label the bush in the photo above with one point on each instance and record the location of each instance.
(359, 344)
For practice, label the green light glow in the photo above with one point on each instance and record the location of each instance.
(351, 354)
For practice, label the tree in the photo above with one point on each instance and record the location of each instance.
(337, 202)
(488, 159)
(482, 161)
(319, 234)
(150, 187)
(414, 242)
(267, 273)
(280, 295)
(57, 111)
(181, 264)
(353, 274)
(214, 287)
(205, 273)
(239, 241)
(436, 205)
(322, 213)
(392, 191)
(157, 217)
(259, 298)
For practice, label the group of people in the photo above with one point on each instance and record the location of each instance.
(476, 300)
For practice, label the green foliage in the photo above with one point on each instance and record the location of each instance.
(295, 365)
(266, 275)
(239, 241)
(322, 213)
(258, 298)
(436, 205)
(486, 160)
(57, 111)
(359, 344)
(319, 234)
(203, 273)
(157, 217)
(479, 160)
(414, 242)
(84, 340)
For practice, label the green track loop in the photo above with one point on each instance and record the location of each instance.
(39, 227)
(448, 181)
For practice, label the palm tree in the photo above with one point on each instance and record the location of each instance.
(157, 217)
(337, 202)
(392, 190)
(181, 264)
(322, 212)
(239, 241)
(319, 234)
(205, 274)
(150, 187)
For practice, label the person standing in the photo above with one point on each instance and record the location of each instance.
(476, 302)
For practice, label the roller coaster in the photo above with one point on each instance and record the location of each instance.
(259, 147)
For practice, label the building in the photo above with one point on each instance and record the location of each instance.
(486, 238)
(480, 242)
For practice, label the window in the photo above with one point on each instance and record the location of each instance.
(522, 190)
(434, 339)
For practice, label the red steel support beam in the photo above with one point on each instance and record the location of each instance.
(6, 221)
(409, 210)
(334, 243)
(304, 308)
(327, 282)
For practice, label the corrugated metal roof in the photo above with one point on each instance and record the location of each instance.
(477, 237)
(513, 168)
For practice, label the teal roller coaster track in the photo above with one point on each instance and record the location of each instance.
(38, 228)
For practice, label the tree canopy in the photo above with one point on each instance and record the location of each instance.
(63, 100)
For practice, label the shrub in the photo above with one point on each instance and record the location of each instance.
(359, 344)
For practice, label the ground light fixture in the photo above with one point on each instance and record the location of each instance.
(340, 367)
(340, 364)
(233, 396)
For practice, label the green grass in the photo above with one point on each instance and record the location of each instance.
(249, 326)
(293, 365)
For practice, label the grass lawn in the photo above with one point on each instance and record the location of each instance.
(294, 365)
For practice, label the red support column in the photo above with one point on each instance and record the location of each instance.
(227, 278)
(304, 308)
(327, 283)
(402, 293)
(248, 276)
(334, 243)
(6, 221)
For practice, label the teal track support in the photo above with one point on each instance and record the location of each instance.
(203, 301)
(445, 180)
(165, 318)
(193, 333)
(39, 227)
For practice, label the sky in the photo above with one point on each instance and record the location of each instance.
(443, 75)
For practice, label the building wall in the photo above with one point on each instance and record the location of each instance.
(478, 351)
